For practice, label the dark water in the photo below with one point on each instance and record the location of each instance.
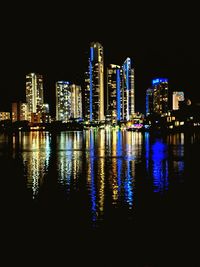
(125, 193)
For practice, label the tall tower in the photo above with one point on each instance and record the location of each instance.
(76, 101)
(68, 101)
(160, 95)
(34, 92)
(86, 107)
(114, 93)
(63, 101)
(128, 90)
(96, 79)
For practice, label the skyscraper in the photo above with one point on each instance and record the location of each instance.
(34, 92)
(68, 101)
(176, 97)
(76, 101)
(114, 92)
(63, 101)
(149, 101)
(160, 96)
(94, 93)
(128, 91)
(86, 106)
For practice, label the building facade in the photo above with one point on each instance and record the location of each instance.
(114, 92)
(128, 90)
(19, 111)
(34, 92)
(63, 101)
(176, 98)
(76, 101)
(160, 95)
(94, 90)
(68, 101)
(4, 115)
(149, 101)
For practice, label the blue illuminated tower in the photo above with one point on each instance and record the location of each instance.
(160, 96)
(94, 91)
(128, 91)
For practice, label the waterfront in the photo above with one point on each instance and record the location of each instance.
(133, 185)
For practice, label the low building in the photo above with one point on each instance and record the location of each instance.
(4, 115)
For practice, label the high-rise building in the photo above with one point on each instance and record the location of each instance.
(34, 92)
(128, 90)
(149, 101)
(76, 101)
(114, 92)
(86, 106)
(176, 97)
(160, 95)
(19, 111)
(63, 101)
(94, 93)
(68, 101)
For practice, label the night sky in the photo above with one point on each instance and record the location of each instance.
(54, 40)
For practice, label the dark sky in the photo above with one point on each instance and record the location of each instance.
(53, 39)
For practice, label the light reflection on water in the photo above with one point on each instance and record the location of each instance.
(104, 162)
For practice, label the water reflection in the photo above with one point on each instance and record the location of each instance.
(112, 165)
(159, 154)
(177, 142)
(35, 150)
(102, 164)
(69, 156)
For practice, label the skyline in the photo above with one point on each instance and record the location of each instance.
(59, 48)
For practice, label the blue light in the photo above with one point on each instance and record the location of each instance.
(93, 189)
(90, 90)
(147, 150)
(91, 53)
(147, 104)
(63, 82)
(160, 166)
(118, 95)
(128, 186)
(159, 80)
(119, 161)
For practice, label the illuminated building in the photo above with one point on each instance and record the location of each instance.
(36, 117)
(19, 111)
(176, 97)
(160, 96)
(114, 100)
(4, 115)
(149, 101)
(45, 108)
(63, 101)
(94, 91)
(128, 91)
(34, 92)
(86, 106)
(68, 101)
(45, 116)
(76, 101)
